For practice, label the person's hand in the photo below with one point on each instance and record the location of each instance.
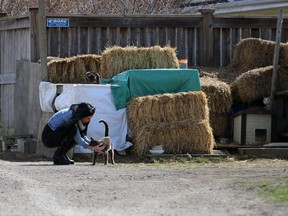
(98, 148)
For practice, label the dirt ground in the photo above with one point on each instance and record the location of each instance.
(33, 186)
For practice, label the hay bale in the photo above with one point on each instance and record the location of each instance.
(179, 122)
(178, 137)
(256, 84)
(251, 53)
(153, 109)
(219, 123)
(118, 59)
(54, 68)
(72, 69)
(91, 62)
(50, 58)
(284, 58)
(218, 94)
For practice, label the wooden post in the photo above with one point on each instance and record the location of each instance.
(207, 35)
(43, 40)
(34, 34)
(276, 58)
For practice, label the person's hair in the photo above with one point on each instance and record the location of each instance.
(82, 110)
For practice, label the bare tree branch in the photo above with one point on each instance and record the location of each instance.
(124, 7)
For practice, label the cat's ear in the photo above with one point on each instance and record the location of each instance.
(91, 138)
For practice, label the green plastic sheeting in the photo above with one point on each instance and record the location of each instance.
(144, 82)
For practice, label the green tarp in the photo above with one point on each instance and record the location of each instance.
(144, 82)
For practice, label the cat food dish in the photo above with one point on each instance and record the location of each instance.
(158, 147)
(156, 152)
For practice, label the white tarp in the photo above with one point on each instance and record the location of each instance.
(99, 96)
(47, 92)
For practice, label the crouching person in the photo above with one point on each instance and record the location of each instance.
(66, 128)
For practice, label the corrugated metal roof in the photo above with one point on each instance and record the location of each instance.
(248, 7)
(262, 7)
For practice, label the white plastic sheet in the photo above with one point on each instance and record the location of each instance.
(99, 96)
(47, 92)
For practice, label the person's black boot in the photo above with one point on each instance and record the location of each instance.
(67, 149)
(59, 156)
(60, 159)
(67, 158)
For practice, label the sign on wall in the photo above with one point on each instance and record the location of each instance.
(58, 22)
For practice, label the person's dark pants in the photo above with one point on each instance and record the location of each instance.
(63, 139)
(52, 139)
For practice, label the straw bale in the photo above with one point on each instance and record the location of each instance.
(117, 59)
(72, 69)
(79, 71)
(256, 84)
(92, 62)
(218, 94)
(251, 53)
(284, 59)
(219, 123)
(50, 58)
(142, 111)
(55, 70)
(178, 137)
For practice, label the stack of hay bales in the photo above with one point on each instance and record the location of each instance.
(284, 56)
(255, 84)
(251, 53)
(73, 69)
(117, 59)
(179, 122)
(219, 103)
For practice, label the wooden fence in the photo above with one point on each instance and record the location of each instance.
(205, 40)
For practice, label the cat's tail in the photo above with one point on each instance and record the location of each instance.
(106, 127)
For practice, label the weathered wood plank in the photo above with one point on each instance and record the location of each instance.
(217, 46)
(226, 46)
(180, 43)
(7, 107)
(54, 41)
(64, 42)
(135, 21)
(237, 22)
(34, 35)
(83, 43)
(7, 78)
(73, 41)
(14, 24)
(98, 40)
(28, 77)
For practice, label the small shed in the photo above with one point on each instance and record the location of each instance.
(252, 126)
